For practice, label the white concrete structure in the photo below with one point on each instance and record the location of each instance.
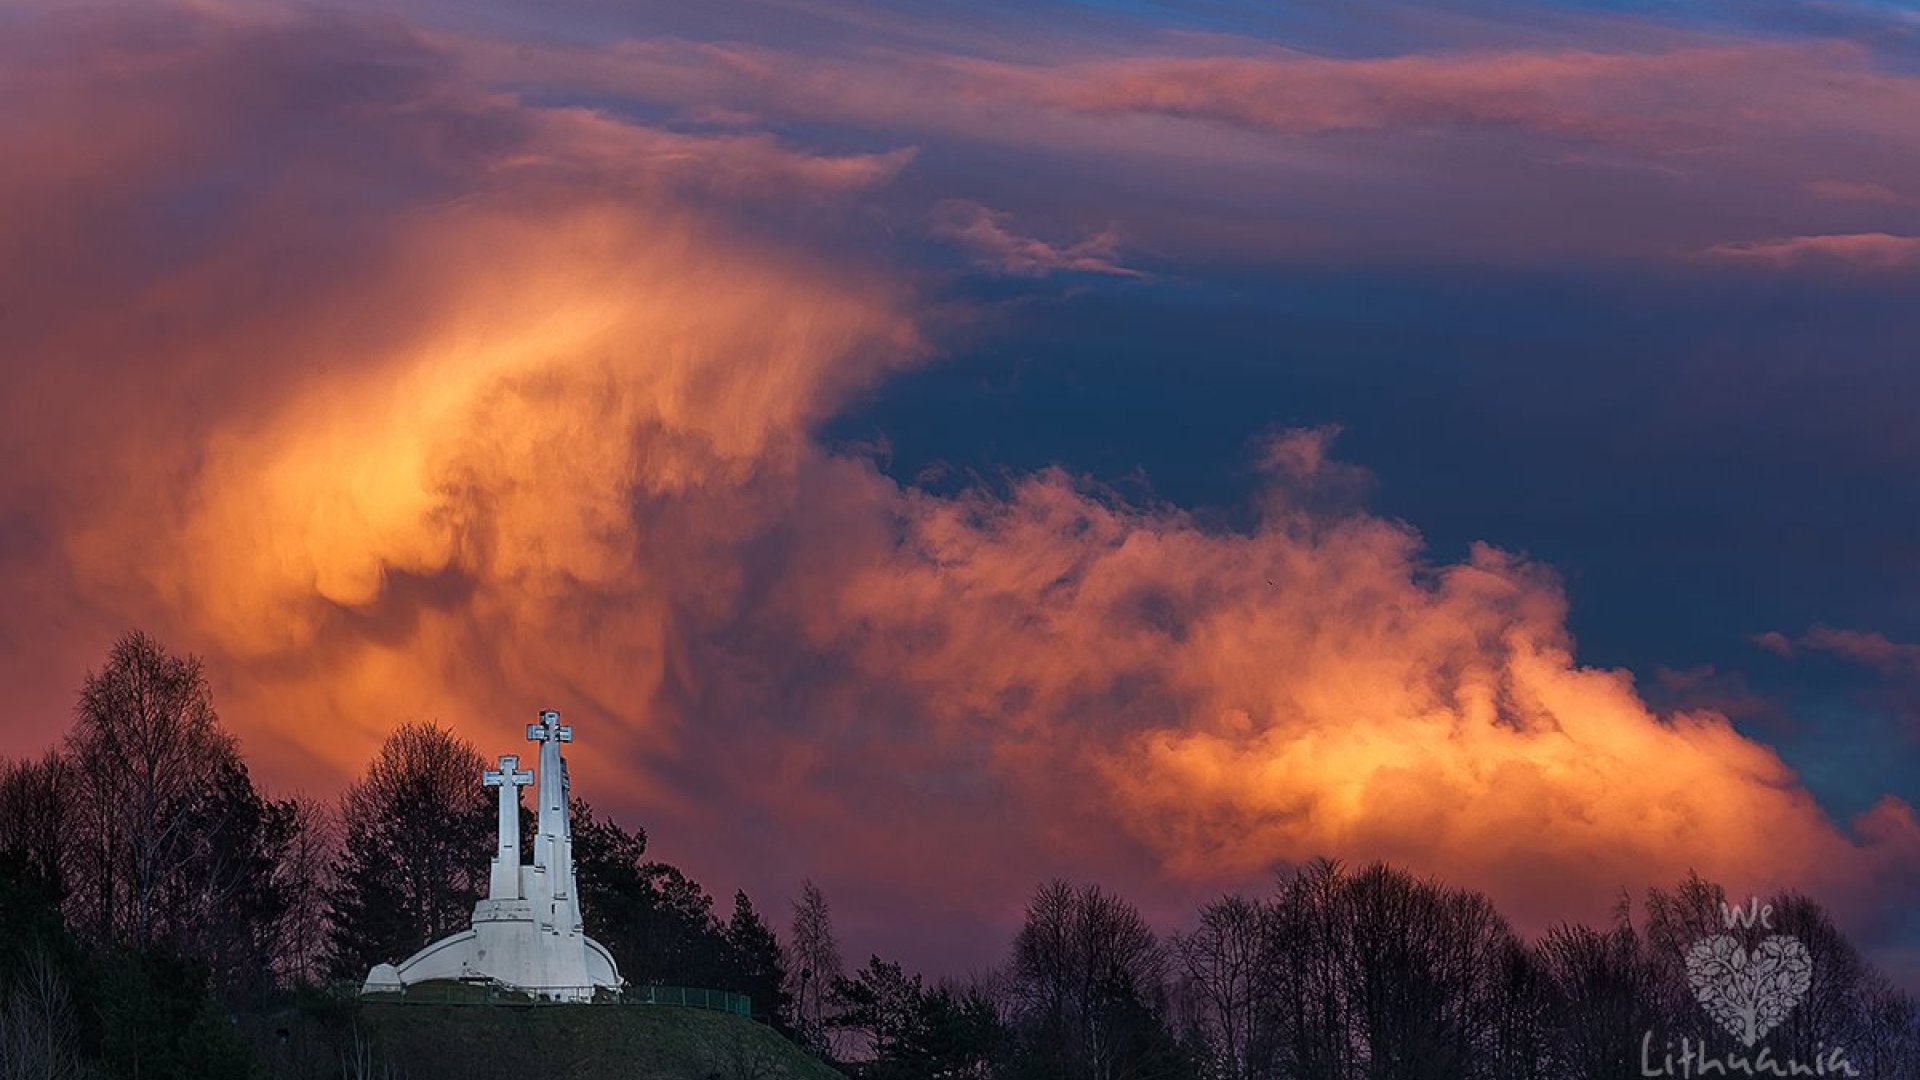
(526, 934)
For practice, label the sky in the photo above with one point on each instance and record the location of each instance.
(934, 448)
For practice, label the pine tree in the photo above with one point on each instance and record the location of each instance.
(760, 965)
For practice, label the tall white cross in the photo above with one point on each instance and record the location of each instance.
(553, 843)
(550, 727)
(506, 861)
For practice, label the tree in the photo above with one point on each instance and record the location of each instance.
(658, 923)
(961, 1033)
(302, 876)
(1306, 983)
(148, 753)
(1090, 980)
(815, 967)
(609, 863)
(1380, 974)
(1220, 965)
(759, 964)
(417, 832)
(1422, 973)
(35, 820)
(39, 1026)
(881, 1007)
(240, 843)
(159, 1020)
(1601, 998)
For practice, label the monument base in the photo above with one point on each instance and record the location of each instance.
(507, 945)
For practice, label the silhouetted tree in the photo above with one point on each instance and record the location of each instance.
(1601, 998)
(814, 967)
(417, 836)
(658, 923)
(896, 1028)
(239, 841)
(39, 1023)
(1220, 965)
(610, 863)
(159, 1020)
(36, 832)
(1889, 1045)
(961, 1034)
(148, 755)
(1089, 978)
(302, 878)
(880, 1008)
(759, 964)
(1305, 982)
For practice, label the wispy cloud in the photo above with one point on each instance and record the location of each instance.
(1873, 250)
(1867, 647)
(1859, 191)
(989, 236)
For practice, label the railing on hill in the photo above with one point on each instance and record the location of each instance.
(487, 993)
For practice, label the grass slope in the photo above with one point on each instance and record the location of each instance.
(556, 1042)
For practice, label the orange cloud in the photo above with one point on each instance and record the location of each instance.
(1240, 700)
(417, 400)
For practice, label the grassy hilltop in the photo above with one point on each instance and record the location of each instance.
(551, 1042)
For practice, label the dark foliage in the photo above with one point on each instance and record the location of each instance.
(419, 832)
(759, 965)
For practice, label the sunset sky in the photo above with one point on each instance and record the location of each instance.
(935, 447)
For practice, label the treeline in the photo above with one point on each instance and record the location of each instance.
(1371, 974)
(150, 894)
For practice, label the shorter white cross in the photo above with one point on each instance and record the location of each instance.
(507, 775)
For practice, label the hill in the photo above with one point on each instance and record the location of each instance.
(512, 1042)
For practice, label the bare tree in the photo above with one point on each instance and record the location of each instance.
(147, 751)
(1091, 979)
(1220, 965)
(38, 1027)
(1311, 943)
(303, 877)
(1602, 998)
(816, 968)
(34, 820)
(1378, 974)
(1889, 1037)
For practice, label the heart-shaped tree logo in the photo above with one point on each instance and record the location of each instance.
(1749, 994)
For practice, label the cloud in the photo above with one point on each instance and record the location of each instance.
(1606, 96)
(1666, 141)
(1872, 251)
(1868, 647)
(1858, 191)
(398, 396)
(994, 245)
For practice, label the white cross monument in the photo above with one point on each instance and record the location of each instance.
(526, 934)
